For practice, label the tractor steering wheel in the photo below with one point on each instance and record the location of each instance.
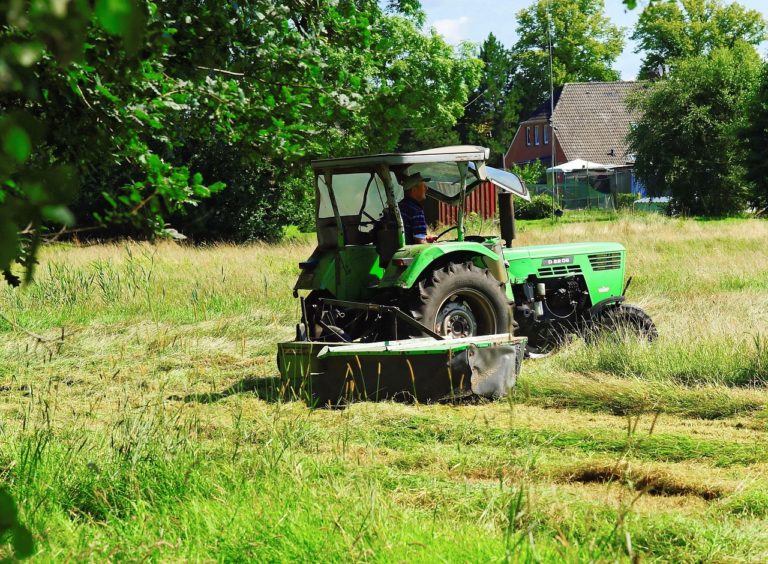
(444, 232)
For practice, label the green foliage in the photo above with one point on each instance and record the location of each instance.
(515, 81)
(257, 203)
(685, 141)
(74, 104)
(490, 118)
(540, 207)
(414, 87)
(625, 201)
(227, 92)
(585, 45)
(11, 529)
(668, 30)
(531, 173)
(193, 96)
(369, 81)
(754, 136)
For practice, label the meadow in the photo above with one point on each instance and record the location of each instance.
(139, 418)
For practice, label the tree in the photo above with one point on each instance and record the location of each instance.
(668, 30)
(585, 45)
(132, 119)
(755, 139)
(388, 87)
(685, 140)
(44, 51)
(414, 88)
(491, 113)
(531, 173)
(235, 92)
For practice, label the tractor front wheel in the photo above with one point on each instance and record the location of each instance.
(462, 300)
(623, 320)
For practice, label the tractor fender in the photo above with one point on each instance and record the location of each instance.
(600, 307)
(409, 263)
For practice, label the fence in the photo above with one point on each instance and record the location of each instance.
(481, 201)
(590, 190)
(578, 190)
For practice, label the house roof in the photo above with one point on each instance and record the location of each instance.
(543, 111)
(592, 121)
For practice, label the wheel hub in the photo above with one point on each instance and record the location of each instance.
(456, 320)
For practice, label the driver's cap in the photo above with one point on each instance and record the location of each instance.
(413, 180)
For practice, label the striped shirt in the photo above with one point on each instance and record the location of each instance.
(414, 222)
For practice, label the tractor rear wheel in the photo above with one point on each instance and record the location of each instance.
(462, 300)
(623, 320)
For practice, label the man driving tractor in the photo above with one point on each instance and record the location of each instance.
(412, 210)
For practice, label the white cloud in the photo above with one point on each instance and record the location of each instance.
(453, 30)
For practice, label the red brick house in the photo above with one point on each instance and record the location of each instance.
(591, 122)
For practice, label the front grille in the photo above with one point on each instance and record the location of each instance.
(559, 270)
(605, 261)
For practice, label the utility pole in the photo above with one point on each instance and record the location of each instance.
(552, 109)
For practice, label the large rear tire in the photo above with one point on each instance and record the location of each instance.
(462, 300)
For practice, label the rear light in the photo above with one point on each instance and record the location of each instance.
(402, 262)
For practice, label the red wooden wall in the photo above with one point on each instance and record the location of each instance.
(482, 201)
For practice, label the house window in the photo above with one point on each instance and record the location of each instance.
(528, 136)
(536, 138)
(546, 135)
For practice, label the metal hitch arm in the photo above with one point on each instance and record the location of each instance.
(392, 310)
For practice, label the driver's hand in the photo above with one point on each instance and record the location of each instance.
(431, 239)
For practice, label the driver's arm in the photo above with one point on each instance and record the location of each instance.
(419, 226)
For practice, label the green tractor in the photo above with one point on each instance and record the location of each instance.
(364, 284)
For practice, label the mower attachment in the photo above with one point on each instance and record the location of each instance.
(424, 370)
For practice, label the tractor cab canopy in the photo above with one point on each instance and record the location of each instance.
(445, 183)
(455, 154)
(442, 165)
(356, 196)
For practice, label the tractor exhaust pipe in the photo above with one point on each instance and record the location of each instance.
(507, 218)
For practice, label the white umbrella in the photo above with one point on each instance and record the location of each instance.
(580, 165)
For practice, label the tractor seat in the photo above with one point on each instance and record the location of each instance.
(385, 234)
(327, 234)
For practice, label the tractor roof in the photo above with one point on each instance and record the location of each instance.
(454, 153)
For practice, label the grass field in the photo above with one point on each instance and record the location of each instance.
(137, 419)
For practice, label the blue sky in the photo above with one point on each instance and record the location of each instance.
(458, 20)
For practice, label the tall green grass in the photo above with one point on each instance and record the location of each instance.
(137, 419)
(728, 360)
(285, 484)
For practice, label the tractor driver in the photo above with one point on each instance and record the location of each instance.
(412, 211)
